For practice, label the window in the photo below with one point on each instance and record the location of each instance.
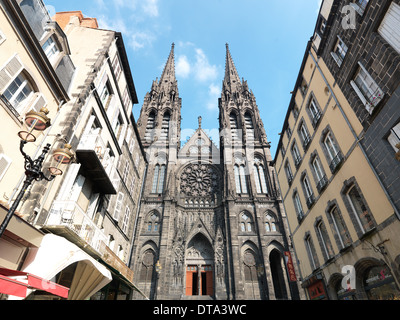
(339, 228)
(367, 89)
(159, 177)
(304, 135)
(106, 94)
(360, 211)
(308, 191)
(314, 112)
(289, 173)
(126, 171)
(153, 223)
(389, 28)
(312, 255)
(116, 65)
(320, 176)
(394, 137)
(296, 155)
(334, 155)
(125, 221)
(51, 49)
(259, 176)
(234, 127)
(296, 111)
(270, 224)
(297, 205)
(325, 242)
(249, 126)
(150, 128)
(246, 223)
(165, 127)
(118, 206)
(240, 178)
(18, 92)
(111, 242)
(303, 87)
(146, 272)
(339, 51)
(118, 125)
(126, 99)
(360, 6)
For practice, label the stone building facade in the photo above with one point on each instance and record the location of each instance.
(211, 222)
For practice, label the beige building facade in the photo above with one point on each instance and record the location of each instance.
(343, 223)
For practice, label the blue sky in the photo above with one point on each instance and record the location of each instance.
(267, 40)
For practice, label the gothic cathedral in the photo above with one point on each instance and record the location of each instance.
(211, 223)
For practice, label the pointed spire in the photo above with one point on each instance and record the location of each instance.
(231, 74)
(169, 70)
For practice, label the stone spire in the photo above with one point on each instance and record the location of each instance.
(168, 76)
(232, 80)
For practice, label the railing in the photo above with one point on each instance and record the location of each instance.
(95, 142)
(70, 215)
(322, 184)
(310, 201)
(306, 143)
(336, 162)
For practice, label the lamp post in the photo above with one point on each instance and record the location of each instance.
(33, 168)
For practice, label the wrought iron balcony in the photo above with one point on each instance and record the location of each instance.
(310, 201)
(306, 143)
(322, 184)
(336, 162)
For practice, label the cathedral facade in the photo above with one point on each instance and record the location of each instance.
(211, 223)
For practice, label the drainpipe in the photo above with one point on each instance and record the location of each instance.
(397, 213)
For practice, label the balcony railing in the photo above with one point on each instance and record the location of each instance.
(322, 184)
(336, 162)
(71, 216)
(306, 143)
(310, 201)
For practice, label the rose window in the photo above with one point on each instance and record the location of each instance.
(199, 180)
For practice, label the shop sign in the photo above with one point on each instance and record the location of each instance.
(317, 291)
(290, 266)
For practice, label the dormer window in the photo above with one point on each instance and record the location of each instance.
(51, 49)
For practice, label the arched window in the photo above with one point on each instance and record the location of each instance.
(159, 178)
(249, 126)
(165, 126)
(270, 223)
(234, 126)
(259, 176)
(151, 124)
(148, 261)
(153, 222)
(246, 223)
(240, 179)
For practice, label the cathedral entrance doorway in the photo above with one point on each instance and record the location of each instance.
(199, 281)
(199, 267)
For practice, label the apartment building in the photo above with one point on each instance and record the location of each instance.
(342, 215)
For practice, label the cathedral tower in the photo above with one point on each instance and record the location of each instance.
(211, 222)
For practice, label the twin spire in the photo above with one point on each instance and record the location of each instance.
(231, 80)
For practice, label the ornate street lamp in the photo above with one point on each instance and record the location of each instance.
(37, 121)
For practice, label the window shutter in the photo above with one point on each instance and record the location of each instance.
(118, 206)
(9, 72)
(5, 163)
(390, 26)
(39, 103)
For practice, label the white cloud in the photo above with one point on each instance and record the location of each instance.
(151, 7)
(204, 72)
(140, 39)
(183, 67)
(213, 95)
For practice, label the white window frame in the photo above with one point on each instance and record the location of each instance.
(335, 224)
(330, 146)
(310, 252)
(125, 221)
(317, 169)
(323, 240)
(389, 28)
(118, 205)
(52, 51)
(298, 205)
(307, 187)
(367, 89)
(339, 52)
(394, 137)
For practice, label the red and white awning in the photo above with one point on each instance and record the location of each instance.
(17, 283)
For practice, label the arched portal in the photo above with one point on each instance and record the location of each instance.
(278, 278)
(199, 267)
